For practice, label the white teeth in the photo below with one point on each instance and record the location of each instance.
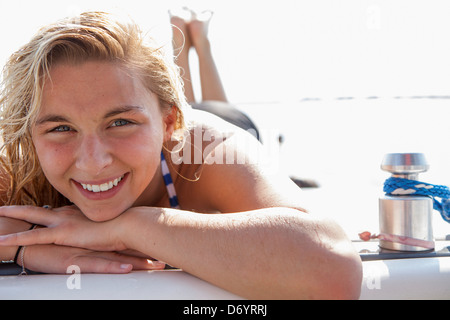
(102, 187)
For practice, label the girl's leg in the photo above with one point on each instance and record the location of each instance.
(181, 46)
(212, 88)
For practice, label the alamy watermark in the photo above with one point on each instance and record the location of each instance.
(372, 278)
(73, 282)
(205, 146)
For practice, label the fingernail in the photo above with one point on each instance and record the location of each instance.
(126, 266)
(157, 264)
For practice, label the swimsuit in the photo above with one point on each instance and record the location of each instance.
(173, 199)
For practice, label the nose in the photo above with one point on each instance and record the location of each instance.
(93, 155)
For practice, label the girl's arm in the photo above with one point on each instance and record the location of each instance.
(271, 253)
(275, 253)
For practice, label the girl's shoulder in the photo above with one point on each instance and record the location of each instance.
(208, 139)
(222, 168)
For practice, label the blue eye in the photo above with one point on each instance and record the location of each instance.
(119, 123)
(62, 128)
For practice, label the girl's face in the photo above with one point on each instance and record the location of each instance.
(99, 136)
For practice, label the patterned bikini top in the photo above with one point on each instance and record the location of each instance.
(173, 199)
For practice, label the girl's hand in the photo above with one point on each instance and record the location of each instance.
(66, 226)
(56, 259)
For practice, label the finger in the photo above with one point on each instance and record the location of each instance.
(89, 264)
(36, 215)
(138, 263)
(27, 238)
(149, 265)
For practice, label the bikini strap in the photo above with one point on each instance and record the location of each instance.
(173, 199)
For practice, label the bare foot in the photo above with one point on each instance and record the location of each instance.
(180, 33)
(198, 29)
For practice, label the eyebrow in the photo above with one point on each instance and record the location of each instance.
(123, 109)
(112, 113)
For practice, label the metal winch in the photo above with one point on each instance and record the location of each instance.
(406, 219)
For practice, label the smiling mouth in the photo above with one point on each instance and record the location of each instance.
(102, 187)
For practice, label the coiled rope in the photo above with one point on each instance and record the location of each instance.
(400, 186)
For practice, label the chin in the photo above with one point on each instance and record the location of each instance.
(101, 215)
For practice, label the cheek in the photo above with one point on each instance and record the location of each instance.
(144, 153)
(53, 158)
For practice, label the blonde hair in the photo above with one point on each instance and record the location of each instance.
(89, 36)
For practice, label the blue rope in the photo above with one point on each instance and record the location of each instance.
(399, 186)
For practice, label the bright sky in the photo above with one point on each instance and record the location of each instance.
(287, 50)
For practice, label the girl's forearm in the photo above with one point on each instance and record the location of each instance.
(268, 253)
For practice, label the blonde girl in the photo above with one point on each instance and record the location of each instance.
(91, 118)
